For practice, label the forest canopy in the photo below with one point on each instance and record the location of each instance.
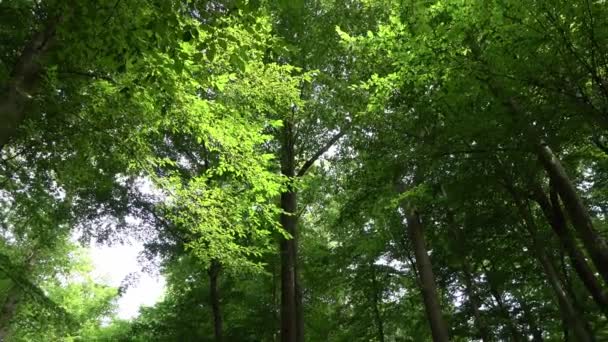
(307, 170)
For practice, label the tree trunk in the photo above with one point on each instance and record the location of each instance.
(581, 220)
(214, 297)
(439, 328)
(567, 284)
(574, 318)
(553, 212)
(24, 80)
(9, 308)
(288, 283)
(288, 250)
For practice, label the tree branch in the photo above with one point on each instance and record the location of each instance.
(319, 153)
(24, 80)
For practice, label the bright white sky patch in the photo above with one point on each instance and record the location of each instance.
(113, 263)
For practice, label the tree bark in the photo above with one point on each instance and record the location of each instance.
(214, 297)
(288, 274)
(573, 317)
(288, 251)
(581, 220)
(553, 212)
(24, 80)
(439, 328)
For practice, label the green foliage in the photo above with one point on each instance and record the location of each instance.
(189, 118)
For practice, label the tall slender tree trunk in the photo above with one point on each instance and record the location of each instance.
(288, 250)
(567, 284)
(24, 79)
(439, 328)
(553, 212)
(581, 220)
(292, 307)
(9, 309)
(573, 317)
(214, 298)
(567, 307)
(288, 272)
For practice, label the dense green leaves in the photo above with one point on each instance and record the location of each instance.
(430, 169)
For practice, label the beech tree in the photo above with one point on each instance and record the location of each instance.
(430, 170)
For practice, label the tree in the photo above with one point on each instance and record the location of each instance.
(430, 170)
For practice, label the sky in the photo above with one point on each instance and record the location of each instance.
(113, 263)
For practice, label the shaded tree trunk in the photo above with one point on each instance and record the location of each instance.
(573, 317)
(288, 251)
(581, 220)
(567, 284)
(292, 308)
(439, 328)
(567, 307)
(288, 272)
(553, 212)
(214, 297)
(24, 80)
